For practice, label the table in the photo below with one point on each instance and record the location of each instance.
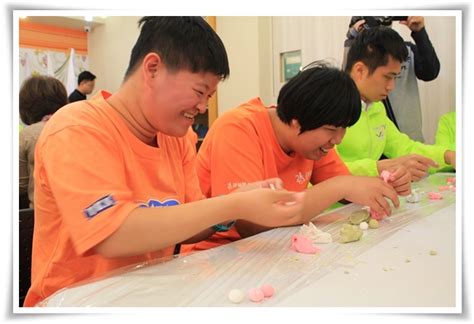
(389, 267)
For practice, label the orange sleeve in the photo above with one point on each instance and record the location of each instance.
(329, 166)
(94, 199)
(236, 158)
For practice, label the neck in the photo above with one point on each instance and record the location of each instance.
(280, 129)
(129, 109)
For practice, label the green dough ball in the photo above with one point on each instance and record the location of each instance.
(373, 223)
(350, 233)
(359, 216)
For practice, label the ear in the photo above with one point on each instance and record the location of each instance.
(359, 70)
(295, 125)
(151, 66)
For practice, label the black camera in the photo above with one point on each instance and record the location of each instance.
(374, 21)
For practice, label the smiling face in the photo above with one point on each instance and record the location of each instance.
(314, 144)
(173, 98)
(376, 86)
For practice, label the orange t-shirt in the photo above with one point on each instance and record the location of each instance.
(241, 147)
(90, 173)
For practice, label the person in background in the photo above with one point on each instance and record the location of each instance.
(403, 103)
(446, 133)
(85, 86)
(374, 62)
(40, 97)
(116, 182)
(294, 141)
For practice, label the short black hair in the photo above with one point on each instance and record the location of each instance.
(374, 46)
(319, 95)
(182, 43)
(41, 96)
(85, 75)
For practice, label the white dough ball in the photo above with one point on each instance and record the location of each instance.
(363, 226)
(236, 296)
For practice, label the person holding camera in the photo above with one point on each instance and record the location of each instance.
(403, 104)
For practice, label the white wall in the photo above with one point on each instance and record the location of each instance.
(241, 40)
(109, 48)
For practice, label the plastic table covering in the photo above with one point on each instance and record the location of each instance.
(390, 266)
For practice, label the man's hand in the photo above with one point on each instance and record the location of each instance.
(400, 180)
(450, 158)
(415, 23)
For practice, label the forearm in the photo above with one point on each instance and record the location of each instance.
(317, 199)
(322, 195)
(152, 229)
(427, 64)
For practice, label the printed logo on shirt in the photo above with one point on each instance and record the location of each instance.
(302, 178)
(166, 203)
(380, 131)
(99, 206)
(235, 185)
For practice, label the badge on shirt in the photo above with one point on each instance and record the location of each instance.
(99, 206)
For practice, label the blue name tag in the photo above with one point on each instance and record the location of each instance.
(99, 206)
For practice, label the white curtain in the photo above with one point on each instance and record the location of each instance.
(64, 67)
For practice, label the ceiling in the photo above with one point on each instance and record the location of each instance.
(71, 22)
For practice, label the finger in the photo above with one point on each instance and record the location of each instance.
(391, 194)
(426, 161)
(417, 175)
(386, 210)
(403, 190)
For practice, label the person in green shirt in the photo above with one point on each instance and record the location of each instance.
(446, 133)
(373, 62)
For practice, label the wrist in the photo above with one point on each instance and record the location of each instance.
(343, 185)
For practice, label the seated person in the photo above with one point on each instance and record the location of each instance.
(446, 133)
(295, 142)
(373, 62)
(40, 97)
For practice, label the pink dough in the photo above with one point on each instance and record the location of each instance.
(256, 295)
(435, 195)
(267, 290)
(451, 180)
(443, 188)
(302, 244)
(386, 175)
(376, 215)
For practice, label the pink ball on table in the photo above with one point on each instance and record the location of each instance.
(267, 290)
(256, 295)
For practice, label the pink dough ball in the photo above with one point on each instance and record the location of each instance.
(256, 295)
(267, 290)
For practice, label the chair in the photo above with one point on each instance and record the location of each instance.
(27, 221)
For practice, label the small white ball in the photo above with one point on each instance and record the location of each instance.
(236, 296)
(363, 226)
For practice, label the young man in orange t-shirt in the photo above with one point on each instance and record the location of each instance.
(104, 166)
(293, 141)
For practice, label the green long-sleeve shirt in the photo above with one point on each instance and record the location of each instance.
(446, 132)
(375, 134)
